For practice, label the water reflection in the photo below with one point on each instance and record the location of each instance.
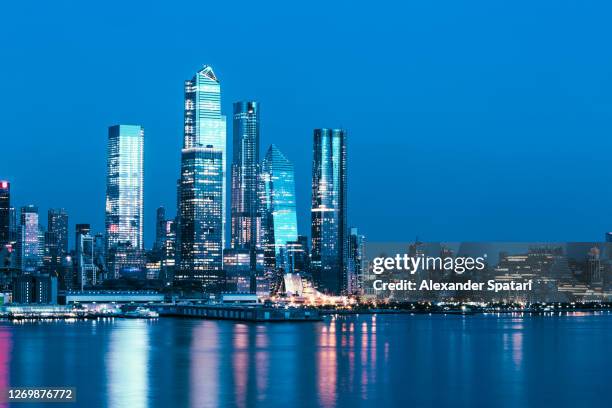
(344, 361)
(127, 364)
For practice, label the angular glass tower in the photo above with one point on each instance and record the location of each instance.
(278, 207)
(204, 124)
(124, 186)
(245, 169)
(200, 251)
(329, 253)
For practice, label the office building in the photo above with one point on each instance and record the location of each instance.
(30, 245)
(125, 186)
(329, 250)
(5, 217)
(57, 225)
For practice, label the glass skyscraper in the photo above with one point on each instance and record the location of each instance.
(124, 186)
(201, 189)
(245, 168)
(278, 207)
(5, 209)
(329, 253)
(200, 251)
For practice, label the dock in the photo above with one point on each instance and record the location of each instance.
(250, 313)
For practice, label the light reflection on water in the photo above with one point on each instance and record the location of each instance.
(346, 361)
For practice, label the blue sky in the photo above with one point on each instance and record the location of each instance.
(468, 120)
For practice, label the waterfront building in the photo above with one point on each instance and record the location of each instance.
(202, 185)
(298, 256)
(168, 251)
(5, 206)
(124, 260)
(125, 186)
(35, 288)
(57, 224)
(356, 261)
(329, 250)
(86, 271)
(245, 223)
(29, 251)
(238, 270)
(279, 220)
(160, 228)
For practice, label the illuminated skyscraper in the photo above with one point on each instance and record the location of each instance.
(278, 207)
(5, 208)
(329, 254)
(29, 251)
(200, 214)
(201, 190)
(124, 186)
(245, 166)
(160, 228)
(57, 226)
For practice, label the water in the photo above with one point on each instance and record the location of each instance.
(353, 361)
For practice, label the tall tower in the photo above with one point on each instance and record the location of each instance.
(245, 169)
(201, 189)
(57, 225)
(278, 208)
(124, 186)
(5, 208)
(329, 254)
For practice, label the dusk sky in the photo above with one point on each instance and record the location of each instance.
(467, 120)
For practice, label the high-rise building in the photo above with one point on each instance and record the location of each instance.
(298, 256)
(5, 206)
(279, 218)
(202, 186)
(124, 186)
(329, 251)
(168, 251)
(30, 251)
(84, 254)
(356, 261)
(204, 123)
(13, 228)
(160, 228)
(57, 224)
(200, 218)
(245, 178)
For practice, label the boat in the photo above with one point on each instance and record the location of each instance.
(141, 313)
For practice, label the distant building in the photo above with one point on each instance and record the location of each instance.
(237, 266)
(30, 246)
(5, 206)
(329, 251)
(160, 228)
(35, 288)
(126, 261)
(298, 256)
(85, 268)
(356, 261)
(125, 186)
(57, 224)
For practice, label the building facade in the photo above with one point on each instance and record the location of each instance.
(125, 186)
(202, 185)
(5, 208)
(31, 240)
(279, 219)
(57, 224)
(329, 253)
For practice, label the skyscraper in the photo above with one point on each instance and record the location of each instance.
(29, 252)
(57, 225)
(328, 213)
(356, 261)
(201, 190)
(124, 186)
(200, 218)
(160, 228)
(5, 206)
(278, 207)
(245, 169)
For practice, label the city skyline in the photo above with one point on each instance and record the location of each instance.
(485, 116)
